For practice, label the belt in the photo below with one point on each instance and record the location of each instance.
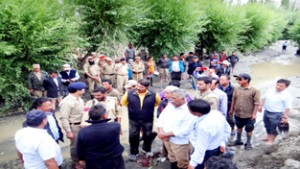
(77, 123)
(109, 74)
(138, 73)
(121, 75)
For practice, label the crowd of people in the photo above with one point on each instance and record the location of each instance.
(194, 129)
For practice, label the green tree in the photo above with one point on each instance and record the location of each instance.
(32, 32)
(264, 26)
(294, 32)
(106, 23)
(223, 28)
(168, 26)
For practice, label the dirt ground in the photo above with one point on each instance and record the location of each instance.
(265, 67)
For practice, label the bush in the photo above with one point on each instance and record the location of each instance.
(168, 26)
(294, 32)
(223, 28)
(264, 25)
(32, 32)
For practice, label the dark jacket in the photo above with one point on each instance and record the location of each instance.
(99, 145)
(233, 59)
(192, 67)
(66, 76)
(134, 107)
(34, 83)
(53, 91)
(229, 92)
(222, 71)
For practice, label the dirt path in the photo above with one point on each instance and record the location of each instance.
(265, 67)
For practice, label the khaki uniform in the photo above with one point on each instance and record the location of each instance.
(94, 70)
(210, 97)
(109, 72)
(122, 76)
(111, 105)
(137, 70)
(101, 64)
(71, 110)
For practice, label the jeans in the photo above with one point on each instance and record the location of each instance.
(134, 135)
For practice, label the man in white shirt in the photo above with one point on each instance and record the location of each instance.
(174, 127)
(223, 100)
(210, 133)
(36, 148)
(277, 104)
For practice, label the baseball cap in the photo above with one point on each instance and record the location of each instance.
(77, 86)
(244, 76)
(35, 117)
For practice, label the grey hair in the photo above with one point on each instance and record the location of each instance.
(171, 88)
(180, 93)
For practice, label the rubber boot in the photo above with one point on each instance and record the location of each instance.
(174, 165)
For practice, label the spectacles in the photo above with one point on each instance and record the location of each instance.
(239, 79)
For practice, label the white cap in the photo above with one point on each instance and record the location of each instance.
(36, 65)
(67, 67)
(130, 83)
(108, 59)
(225, 62)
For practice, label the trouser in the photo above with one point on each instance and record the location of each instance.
(92, 83)
(272, 121)
(179, 153)
(137, 76)
(65, 90)
(111, 77)
(164, 72)
(176, 76)
(73, 150)
(121, 82)
(134, 135)
(208, 154)
(39, 93)
(106, 163)
(164, 151)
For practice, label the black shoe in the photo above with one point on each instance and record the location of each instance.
(235, 143)
(248, 146)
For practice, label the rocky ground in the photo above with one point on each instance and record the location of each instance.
(265, 67)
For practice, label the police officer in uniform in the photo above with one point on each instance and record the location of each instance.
(121, 71)
(71, 111)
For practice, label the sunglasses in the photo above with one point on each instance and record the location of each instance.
(238, 79)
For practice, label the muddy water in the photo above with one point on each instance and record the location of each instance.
(268, 72)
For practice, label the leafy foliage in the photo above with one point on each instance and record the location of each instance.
(264, 26)
(223, 28)
(32, 32)
(294, 32)
(106, 23)
(168, 26)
